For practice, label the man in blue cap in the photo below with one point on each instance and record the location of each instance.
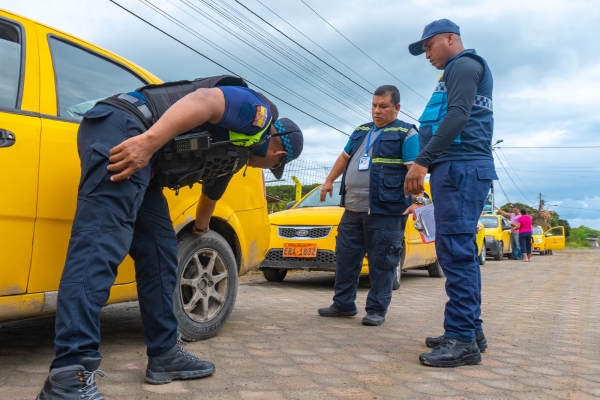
(121, 210)
(455, 137)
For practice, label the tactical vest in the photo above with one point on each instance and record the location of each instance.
(475, 140)
(387, 170)
(191, 157)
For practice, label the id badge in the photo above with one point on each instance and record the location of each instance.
(364, 163)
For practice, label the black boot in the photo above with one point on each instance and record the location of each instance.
(434, 342)
(452, 353)
(176, 363)
(75, 382)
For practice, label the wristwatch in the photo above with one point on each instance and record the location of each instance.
(419, 200)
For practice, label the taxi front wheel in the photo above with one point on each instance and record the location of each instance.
(274, 274)
(206, 285)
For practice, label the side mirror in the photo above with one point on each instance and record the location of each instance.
(290, 204)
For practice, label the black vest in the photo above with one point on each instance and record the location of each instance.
(177, 167)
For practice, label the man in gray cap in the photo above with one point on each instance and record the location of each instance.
(455, 137)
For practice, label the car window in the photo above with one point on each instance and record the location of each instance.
(313, 199)
(83, 78)
(489, 222)
(505, 223)
(536, 230)
(10, 65)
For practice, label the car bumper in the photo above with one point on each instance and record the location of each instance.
(491, 246)
(324, 261)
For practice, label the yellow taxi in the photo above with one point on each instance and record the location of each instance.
(546, 242)
(304, 237)
(497, 236)
(48, 78)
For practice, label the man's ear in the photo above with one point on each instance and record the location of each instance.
(280, 152)
(397, 107)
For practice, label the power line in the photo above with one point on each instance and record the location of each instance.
(530, 191)
(314, 55)
(226, 69)
(235, 58)
(359, 49)
(551, 147)
(315, 43)
(511, 179)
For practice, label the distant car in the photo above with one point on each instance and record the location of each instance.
(497, 236)
(546, 242)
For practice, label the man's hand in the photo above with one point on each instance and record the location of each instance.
(129, 157)
(411, 208)
(326, 188)
(415, 179)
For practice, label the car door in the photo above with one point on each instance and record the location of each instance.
(505, 226)
(19, 149)
(74, 75)
(555, 238)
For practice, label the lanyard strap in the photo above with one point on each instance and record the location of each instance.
(369, 144)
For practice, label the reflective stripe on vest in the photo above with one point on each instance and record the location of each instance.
(388, 161)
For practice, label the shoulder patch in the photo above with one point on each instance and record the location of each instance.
(260, 117)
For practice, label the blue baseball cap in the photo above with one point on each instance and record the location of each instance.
(434, 28)
(291, 139)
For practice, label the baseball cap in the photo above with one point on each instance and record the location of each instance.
(292, 140)
(434, 28)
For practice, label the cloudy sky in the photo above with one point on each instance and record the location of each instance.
(544, 59)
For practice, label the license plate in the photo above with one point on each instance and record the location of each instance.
(300, 250)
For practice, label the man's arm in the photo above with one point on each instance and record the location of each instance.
(461, 83)
(338, 169)
(203, 105)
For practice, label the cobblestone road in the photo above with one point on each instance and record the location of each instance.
(541, 319)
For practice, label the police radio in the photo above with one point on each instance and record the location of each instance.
(188, 147)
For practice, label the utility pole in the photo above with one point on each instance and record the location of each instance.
(493, 147)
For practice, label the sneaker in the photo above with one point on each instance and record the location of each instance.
(434, 342)
(177, 363)
(74, 382)
(452, 353)
(373, 319)
(331, 311)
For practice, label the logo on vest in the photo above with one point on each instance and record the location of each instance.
(260, 118)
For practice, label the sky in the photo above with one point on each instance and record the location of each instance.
(545, 63)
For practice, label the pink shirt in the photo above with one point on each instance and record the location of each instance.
(514, 219)
(525, 221)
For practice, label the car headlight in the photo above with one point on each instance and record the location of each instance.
(538, 241)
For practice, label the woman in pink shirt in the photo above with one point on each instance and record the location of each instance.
(524, 226)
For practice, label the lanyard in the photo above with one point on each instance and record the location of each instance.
(369, 144)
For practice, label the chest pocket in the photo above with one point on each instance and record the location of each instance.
(433, 108)
(390, 145)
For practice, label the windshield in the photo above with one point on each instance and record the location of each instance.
(489, 222)
(312, 200)
(536, 230)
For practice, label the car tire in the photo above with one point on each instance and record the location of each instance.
(274, 274)
(206, 286)
(481, 256)
(435, 270)
(500, 251)
(543, 252)
(549, 252)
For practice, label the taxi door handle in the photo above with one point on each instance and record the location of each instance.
(7, 138)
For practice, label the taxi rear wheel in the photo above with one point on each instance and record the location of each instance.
(206, 285)
(274, 274)
(435, 270)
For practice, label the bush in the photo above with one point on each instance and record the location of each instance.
(578, 237)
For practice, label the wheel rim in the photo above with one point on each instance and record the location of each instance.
(204, 284)
(398, 272)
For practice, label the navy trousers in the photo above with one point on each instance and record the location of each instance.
(525, 242)
(459, 190)
(381, 237)
(113, 219)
